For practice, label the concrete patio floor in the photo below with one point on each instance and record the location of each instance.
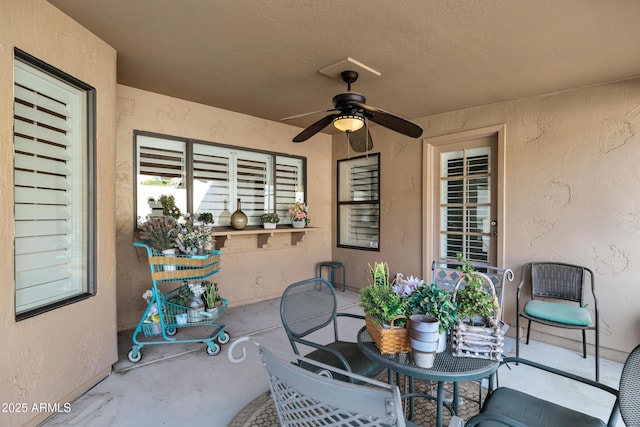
(179, 384)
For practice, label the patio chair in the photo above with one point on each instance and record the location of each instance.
(509, 407)
(310, 306)
(305, 398)
(560, 282)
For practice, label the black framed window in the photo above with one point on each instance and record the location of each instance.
(359, 202)
(207, 177)
(54, 187)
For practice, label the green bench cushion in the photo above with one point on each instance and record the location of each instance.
(563, 313)
(532, 411)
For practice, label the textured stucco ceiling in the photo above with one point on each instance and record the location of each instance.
(262, 57)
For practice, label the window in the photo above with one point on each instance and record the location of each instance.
(54, 186)
(207, 177)
(359, 202)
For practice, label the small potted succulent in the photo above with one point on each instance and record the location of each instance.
(269, 220)
(159, 233)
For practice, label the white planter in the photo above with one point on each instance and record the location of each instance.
(423, 360)
(269, 225)
(181, 319)
(169, 252)
(298, 224)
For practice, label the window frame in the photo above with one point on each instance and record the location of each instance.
(189, 174)
(86, 242)
(345, 202)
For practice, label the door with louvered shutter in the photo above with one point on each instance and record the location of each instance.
(466, 194)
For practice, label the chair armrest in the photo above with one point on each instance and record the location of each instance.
(336, 353)
(565, 374)
(355, 316)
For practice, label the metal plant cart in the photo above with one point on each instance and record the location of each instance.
(162, 318)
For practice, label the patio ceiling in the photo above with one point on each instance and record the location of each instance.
(262, 57)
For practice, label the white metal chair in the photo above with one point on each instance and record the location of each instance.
(306, 398)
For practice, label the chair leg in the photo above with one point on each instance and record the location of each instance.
(597, 354)
(528, 330)
(584, 344)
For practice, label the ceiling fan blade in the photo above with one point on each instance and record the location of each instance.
(308, 114)
(390, 121)
(360, 140)
(314, 128)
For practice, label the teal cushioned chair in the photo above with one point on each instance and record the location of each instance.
(509, 407)
(551, 281)
(309, 306)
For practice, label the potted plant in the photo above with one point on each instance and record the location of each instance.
(299, 215)
(192, 238)
(160, 233)
(475, 303)
(385, 311)
(169, 207)
(428, 303)
(269, 220)
(212, 298)
(205, 218)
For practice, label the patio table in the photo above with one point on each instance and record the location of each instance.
(446, 368)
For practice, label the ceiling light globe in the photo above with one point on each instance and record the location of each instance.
(348, 123)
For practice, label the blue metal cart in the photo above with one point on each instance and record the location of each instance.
(162, 318)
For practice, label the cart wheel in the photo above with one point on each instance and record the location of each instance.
(224, 337)
(171, 331)
(213, 351)
(132, 358)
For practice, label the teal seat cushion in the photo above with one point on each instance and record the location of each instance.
(555, 312)
(532, 411)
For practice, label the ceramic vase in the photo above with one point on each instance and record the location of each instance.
(238, 218)
(424, 335)
(298, 224)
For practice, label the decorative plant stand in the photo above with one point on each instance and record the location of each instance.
(161, 319)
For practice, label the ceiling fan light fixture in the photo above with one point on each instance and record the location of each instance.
(348, 122)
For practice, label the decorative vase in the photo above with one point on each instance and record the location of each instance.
(298, 224)
(269, 225)
(181, 319)
(238, 218)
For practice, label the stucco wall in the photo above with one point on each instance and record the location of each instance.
(248, 273)
(572, 181)
(54, 357)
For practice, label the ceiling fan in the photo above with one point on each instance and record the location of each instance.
(349, 114)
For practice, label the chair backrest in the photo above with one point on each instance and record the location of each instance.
(305, 398)
(557, 280)
(306, 307)
(629, 391)
(446, 275)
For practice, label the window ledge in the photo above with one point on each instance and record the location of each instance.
(263, 235)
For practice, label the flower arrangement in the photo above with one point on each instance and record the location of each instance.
(192, 238)
(299, 212)
(269, 218)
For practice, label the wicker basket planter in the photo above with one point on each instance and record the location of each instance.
(480, 341)
(389, 340)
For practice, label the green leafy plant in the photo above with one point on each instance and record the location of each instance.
(269, 217)
(211, 294)
(182, 296)
(205, 217)
(379, 299)
(474, 299)
(159, 232)
(383, 304)
(436, 302)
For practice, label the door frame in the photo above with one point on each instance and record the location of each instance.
(428, 167)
